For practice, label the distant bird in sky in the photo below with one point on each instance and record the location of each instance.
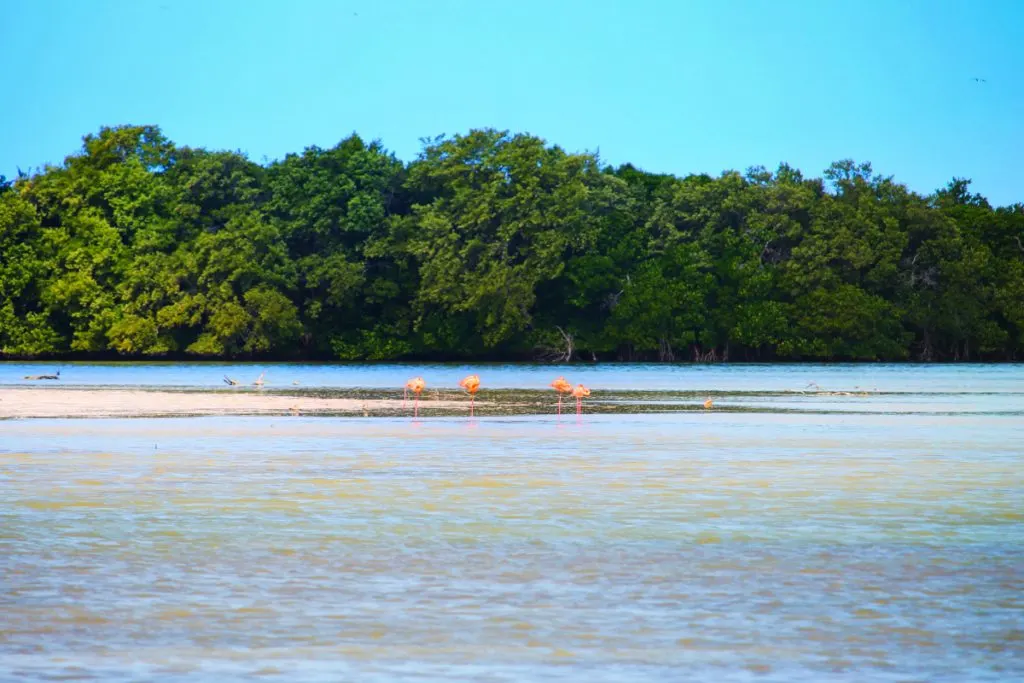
(980, 80)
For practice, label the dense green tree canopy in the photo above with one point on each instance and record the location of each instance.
(494, 245)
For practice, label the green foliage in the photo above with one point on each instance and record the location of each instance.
(505, 213)
(494, 245)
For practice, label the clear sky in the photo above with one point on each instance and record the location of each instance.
(672, 86)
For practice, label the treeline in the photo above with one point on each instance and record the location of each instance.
(492, 245)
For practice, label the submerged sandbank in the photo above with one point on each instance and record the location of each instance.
(54, 401)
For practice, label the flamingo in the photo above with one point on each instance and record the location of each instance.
(406, 388)
(416, 385)
(562, 387)
(580, 392)
(471, 384)
(708, 404)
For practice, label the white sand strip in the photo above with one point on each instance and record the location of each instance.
(23, 402)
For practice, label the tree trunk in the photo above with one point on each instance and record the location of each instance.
(665, 353)
(570, 345)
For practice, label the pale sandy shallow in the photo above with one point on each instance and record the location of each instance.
(24, 402)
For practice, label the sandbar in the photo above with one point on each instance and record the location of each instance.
(33, 402)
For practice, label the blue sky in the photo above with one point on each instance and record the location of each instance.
(672, 86)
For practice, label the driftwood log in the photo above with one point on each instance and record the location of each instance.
(38, 377)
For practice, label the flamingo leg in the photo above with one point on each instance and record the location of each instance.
(579, 405)
(405, 397)
(416, 408)
(471, 401)
(559, 403)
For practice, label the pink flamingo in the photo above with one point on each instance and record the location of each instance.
(580, 392)
(471, 384)
(416, 385)
(562, 387)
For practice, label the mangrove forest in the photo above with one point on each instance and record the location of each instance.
(494, 246)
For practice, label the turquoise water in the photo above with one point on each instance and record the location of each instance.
(961, 378)
(883, 540)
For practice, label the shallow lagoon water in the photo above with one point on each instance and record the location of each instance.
(803, 543)
(974, 379)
